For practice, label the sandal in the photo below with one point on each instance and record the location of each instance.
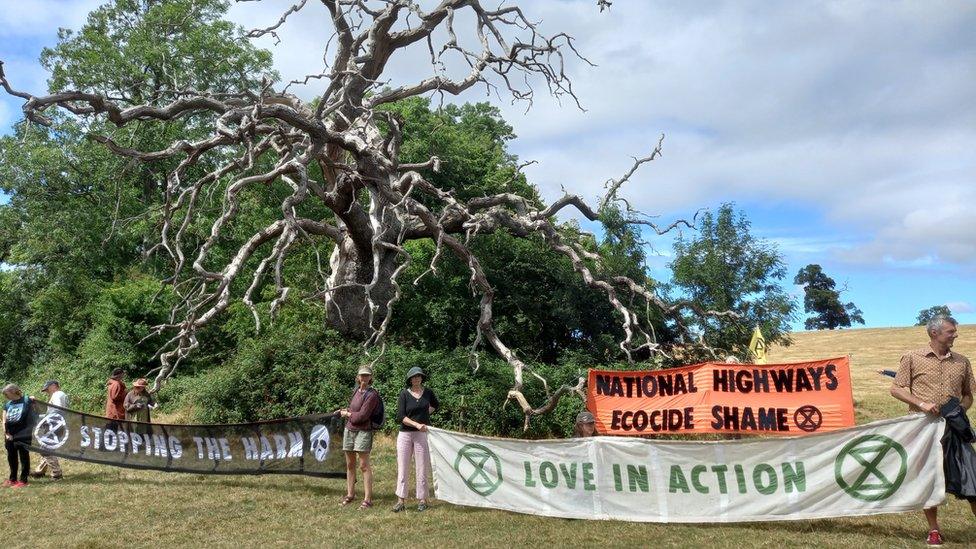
(399, 507)
(366, 504)
(422, 506)
(347, 500)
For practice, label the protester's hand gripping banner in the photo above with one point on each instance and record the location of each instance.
(308, 445)
(776, 399)
(887, 466)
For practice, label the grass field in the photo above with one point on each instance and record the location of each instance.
(97, 506)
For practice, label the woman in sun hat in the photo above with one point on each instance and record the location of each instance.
(138, 402)
(414, 407)
(357, 439)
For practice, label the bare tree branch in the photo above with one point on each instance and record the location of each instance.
(343, 154)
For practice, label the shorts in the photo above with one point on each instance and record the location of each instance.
(357, 441)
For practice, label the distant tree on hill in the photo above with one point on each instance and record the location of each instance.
(823, 300)
(925, 315)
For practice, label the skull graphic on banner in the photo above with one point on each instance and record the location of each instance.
(319, 442)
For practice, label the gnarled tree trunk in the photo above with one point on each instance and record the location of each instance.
(377, 203)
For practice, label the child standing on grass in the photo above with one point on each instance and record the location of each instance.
(18, 423)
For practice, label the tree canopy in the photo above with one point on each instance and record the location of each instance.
(724, 267)
(925, 315)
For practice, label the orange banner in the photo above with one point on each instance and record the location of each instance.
(715, 397)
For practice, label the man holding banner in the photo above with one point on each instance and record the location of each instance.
(928, 378)
(818, 465)
(58, 398)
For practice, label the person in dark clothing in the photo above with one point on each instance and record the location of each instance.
(414, 407)
(958, 454)
(18, 424)
(357, 439)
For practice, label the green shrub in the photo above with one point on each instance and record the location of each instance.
(120, 316)
(296, 367)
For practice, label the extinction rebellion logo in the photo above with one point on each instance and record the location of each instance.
(479, 468)
(51, 432)
(876, 464)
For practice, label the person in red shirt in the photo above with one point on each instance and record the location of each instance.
(115, 397)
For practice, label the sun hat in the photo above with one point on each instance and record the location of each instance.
(141, 382)
(364, 371)
(48, 383)
(415, 371)
(585, 417)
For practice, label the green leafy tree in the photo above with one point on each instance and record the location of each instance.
(438, 312)
(821, 298)
(80, 218)
(19, 341)
(724, 267)
(925, 315)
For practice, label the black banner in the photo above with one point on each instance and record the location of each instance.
(307, 445)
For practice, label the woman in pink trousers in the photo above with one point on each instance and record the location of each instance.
(414, 407)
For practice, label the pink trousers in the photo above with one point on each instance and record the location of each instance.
(412, 444)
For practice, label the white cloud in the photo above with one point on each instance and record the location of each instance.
(19, 18)
(861, 110)
(960, 307)
(26, 27)
(25, 75)
(812, 245)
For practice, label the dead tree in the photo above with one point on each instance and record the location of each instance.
(377, 202)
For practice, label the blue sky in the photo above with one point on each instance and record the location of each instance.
(844, 130)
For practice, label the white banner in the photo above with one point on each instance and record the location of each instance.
(887, 466)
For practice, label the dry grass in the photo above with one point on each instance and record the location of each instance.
(105, 507)
(870, 349)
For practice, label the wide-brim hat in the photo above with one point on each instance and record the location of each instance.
(364, 371)
(585, 417)
(415, 371)
(141, 382)
(48, 383)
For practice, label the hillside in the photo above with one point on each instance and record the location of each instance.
(870, 349)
